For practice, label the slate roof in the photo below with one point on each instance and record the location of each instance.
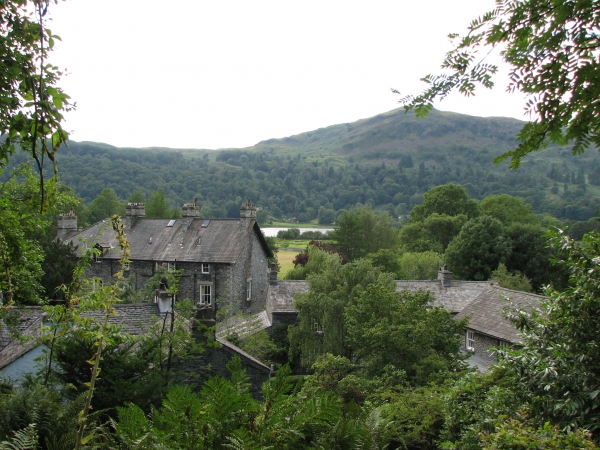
(487, 316)
(281, 296)
(187, 240)
(454, 298)
(133, 318)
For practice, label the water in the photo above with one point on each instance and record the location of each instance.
(272, 231)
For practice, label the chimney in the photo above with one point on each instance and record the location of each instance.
(273, 274)
(133, 211)
(445, 276)
(190, 209)
(248, 210)
(67, 223)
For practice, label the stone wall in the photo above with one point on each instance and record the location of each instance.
(195, 369)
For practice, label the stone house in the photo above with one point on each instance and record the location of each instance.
(225, 259)
(19, 346)
(488, 327)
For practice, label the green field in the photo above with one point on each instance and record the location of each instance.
(285, 259)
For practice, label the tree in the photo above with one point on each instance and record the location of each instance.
(508, 209)
(31, 104)
(362, 231)
(105, 205)
(449, 199)
(432, 234)
(420, 266)
(478, 249)
(515, 281)
(387, 328)
(551, 47)
(557, 371)
(158, 205)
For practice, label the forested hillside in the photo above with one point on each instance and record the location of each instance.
(389, 160)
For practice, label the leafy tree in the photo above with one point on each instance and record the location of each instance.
(420, 266)
(158, 206)
(104, 206)
(449, 199)
(362, 231)
(387, 260)
(551, 46)
(432, 234)
(137, 196)
(387, 328)
(515, 281)
(478, 249)
(508, 209)
(322, 327)
(317, 260)
(558, 368)
(31, 104)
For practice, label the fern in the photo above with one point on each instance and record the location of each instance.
(25, 439)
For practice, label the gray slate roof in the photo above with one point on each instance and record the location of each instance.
(187, 240)
(487, 316)
(454, 298)
(135, 319)
(281, 296)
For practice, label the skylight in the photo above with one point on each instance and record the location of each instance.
(205, 223)
(171, 222)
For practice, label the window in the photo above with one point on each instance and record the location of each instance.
(96, 284)
(126, 266)
(205, 268)
(205, 294)
(166, 265)
(97, 258)
(249, 289)
(471, 341)
(319, 330)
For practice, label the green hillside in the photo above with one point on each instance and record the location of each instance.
(389, 160)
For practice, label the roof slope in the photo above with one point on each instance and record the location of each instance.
(187, 239)
(486, 312)
(454, 298)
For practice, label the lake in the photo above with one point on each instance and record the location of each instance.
(272, 231)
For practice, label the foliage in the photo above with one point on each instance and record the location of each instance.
(449, 199)
(362, 231)
(40, 408)
(22, 235)
(515, 281)
(551, 47)
(322, 327)
(420, 266)
(478, 249)
(32, 105)
(387, 260)
(104, 205)
(508, 209)
(557, 370)
(158, 206)
(434, 233)
(224, 415)
(315, 260)
(387, 328)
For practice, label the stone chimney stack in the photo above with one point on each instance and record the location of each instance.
(190, 209)
(67, 223)
(248, 210)
(445, 276)
(133, 211)
(273, 274)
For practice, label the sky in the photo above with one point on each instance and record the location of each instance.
(231, 73)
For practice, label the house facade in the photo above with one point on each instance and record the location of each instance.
(225, 259)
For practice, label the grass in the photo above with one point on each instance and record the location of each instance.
(285, 259)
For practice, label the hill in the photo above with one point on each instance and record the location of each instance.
(389, 160)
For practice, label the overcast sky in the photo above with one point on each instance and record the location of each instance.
(217, 74)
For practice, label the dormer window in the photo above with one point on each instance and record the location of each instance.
(205, 268)
(97, 257)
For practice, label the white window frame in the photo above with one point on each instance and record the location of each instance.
(248, 289)
(97, 283)
(205, 268)
(470, 340)
(126, 266)
(319, 329)
(169, 265)
(205, 292)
